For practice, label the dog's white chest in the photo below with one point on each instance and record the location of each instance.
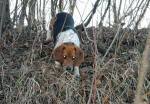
(68, 36)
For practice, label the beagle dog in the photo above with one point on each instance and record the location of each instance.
(67, 52)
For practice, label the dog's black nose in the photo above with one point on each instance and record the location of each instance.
(68, 68)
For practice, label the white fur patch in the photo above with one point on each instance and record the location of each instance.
(66, 37)
(76, 71)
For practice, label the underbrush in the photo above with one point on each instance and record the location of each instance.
(29, 76)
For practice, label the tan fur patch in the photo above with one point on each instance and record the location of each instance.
(68, 55)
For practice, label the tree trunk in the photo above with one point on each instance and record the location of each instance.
(31, 18)
(22, 15)
(4, 16)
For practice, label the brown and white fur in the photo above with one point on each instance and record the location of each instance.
(67, 52)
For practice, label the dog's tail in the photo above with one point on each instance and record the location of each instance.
(49, 32)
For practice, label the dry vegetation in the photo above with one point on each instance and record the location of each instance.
(28, 74)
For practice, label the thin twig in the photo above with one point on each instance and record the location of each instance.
(142, 14)
(112, 42)
(82, 25)
(91, 90)
(102, 18)
(93, 12)
(95, 66)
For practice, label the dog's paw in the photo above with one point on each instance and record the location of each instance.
(57, 64)
(76, 71)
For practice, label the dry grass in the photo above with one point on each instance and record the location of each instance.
(28, 75)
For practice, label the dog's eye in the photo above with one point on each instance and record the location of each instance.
(65, 57)
(73, 57)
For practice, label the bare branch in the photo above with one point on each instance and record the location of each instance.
(119, 8)
(102, 18)
(22, 15)
(44, 15)
(142, 14)
(53, 7)
(93, 12)
(72, 6)
(115, 12)
(31, 16)
(90, 18)
(143, 71)
(15, 14)
(119, 27)
(61, 5)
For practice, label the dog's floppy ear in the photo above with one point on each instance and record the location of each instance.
(58, 54)
(79, 56)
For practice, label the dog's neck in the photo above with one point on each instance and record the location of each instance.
(68, 36)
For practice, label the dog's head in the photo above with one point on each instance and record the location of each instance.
(68, 56)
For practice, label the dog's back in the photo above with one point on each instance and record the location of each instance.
(63, 22)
